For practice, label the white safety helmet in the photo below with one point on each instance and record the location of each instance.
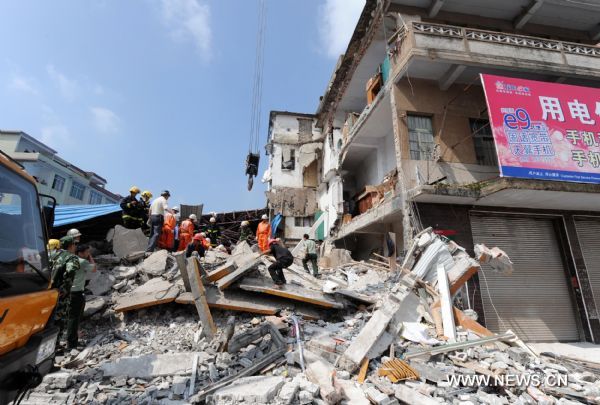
(176, 208)
(245, 223)
(74, 233)
(208, 240)
(265, 216)
(203, 234)
(193, 217)
(213, 220)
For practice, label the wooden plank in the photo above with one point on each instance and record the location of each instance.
(154, 292)
(289, 291)
(362, 373)
(193, 270)
(239, 272)
(221, 272)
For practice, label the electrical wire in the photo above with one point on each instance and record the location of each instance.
(487, 288)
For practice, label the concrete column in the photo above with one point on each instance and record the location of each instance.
(400, 139)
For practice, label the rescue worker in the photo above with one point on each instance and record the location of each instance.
(245, 232)
(213, 231)
(283, 259)
(75, 234)
(167, 236)
(77, 297)
(131, 209)
(205, 242)
(263, 233)
(146, 196)
(310, 255)
(158, 208)
(64, 264)
(196, 245)
(186, 232)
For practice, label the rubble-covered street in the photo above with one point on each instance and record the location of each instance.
(360, 334)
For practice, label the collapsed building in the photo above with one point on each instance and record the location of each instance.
(407, 144)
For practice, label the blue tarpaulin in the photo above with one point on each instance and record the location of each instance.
(70, 214)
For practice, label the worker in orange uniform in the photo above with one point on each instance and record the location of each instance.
(167, 236)
(263, 233)
(186, 232)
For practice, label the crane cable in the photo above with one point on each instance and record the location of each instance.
(257, 87)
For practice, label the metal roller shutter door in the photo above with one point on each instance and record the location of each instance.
(534, 301)
(588, 231)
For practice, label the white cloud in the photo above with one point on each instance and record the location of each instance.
(189, 20)
(23, 84)
(337, 21)
(105, 121)
(69, 88)
(56, 136)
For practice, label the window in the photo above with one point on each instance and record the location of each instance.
(485, 150)
(305, 127)
(305, 222)
(59, 183)
(289, 164)
(77, 190)
(420, 132)
(95, 197)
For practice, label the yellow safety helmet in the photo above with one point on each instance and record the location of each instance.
(53, 244)
(134, 189)
(147, 194)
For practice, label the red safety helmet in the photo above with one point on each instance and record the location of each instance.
(271, 241)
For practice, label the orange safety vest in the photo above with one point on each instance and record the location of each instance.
(167, 237)
(263, 233)
(186, 234)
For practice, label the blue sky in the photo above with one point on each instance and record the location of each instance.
(157, 93)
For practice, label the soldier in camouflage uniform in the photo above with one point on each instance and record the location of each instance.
(64, 264)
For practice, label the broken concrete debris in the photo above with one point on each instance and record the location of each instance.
(367, 334)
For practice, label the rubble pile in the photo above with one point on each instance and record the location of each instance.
(164, 329)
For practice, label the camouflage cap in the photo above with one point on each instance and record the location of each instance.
(66, 241)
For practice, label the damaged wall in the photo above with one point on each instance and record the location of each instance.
(295, 202)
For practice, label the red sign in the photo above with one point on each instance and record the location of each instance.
(544, 130)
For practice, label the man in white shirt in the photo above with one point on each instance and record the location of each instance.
(157, 219)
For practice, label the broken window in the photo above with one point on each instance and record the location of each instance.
(483, 139)
(59, 183)
(420, 132)
(305, 222)
(305, 129)
(288, 162)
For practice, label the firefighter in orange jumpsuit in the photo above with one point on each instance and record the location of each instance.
(186, 232)
(167, 237)
(263, 233)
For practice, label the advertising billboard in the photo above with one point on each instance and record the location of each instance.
(546, 131)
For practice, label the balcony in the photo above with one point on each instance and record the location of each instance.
(451, 54)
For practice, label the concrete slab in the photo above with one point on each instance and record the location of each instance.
(290, 291)
(579, 350)
(124, 272)
(154, 292)
(253, 390)
(126, 241)
(101, 282)
(156, 263)
(221, 272)
(151, 365)
(244, 268)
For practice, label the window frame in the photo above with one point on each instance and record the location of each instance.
(62, 185)
(483, 156)
(94, 193)
(419, 141)
(77, 185)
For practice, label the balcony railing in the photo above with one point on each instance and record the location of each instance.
(450, 31)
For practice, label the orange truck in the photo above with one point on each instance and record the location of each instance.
(28, 336)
